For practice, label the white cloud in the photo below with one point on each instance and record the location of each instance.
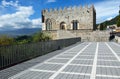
(106, 9)
(36, 22)
(19, 19)
(51, 1)
(108, 19)
(8, 6)
(21, 16)
(10, 3)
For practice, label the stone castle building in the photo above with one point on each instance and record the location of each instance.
(72, 18)
(72, 22)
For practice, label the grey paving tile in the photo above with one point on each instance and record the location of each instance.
(107, 78)
(59, 60)
(69, 76)
(53, 67)
(105, 54)
(85, 57)
(70, 53)
(86, 62)
(107, 58)
(108, 55)
(78, 69)
(64, 56)
(109, 63)
(108, 71)
(35, 75)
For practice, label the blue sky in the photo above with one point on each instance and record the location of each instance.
(15, 14)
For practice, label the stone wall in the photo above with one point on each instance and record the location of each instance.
(86, 35)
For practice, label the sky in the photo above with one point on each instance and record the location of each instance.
(16, 14)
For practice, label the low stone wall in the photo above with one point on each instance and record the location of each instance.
(89, 35)
(86, 35)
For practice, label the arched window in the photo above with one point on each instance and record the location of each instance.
(75, 24)
(48, 24)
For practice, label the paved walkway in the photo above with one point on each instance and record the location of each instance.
(84, 61)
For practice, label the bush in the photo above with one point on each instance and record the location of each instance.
(23, 39)
(40, 36)
(101, 27)
(6, 40)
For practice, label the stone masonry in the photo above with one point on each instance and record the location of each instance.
(73, 22)
(71, 18)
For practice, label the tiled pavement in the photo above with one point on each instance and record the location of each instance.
(89, 60)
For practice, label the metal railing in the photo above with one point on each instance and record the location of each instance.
(11, 55)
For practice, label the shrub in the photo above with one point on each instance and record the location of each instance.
(23, 39)
(40, 36)
(6, 40)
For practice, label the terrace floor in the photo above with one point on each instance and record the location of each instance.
(88, 60)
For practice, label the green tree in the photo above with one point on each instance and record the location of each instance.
(104, 25)
(40, 36)
(118, 21)
(23, 39)
(101, 27)
(6, 40)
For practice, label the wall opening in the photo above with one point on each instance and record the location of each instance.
(48, 24)
(75, 24)
(62, 26)
(112, 37)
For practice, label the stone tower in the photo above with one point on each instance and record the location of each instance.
(71, 18)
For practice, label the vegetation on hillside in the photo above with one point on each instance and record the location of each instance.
(6, 40)
(118, 21)
(104, 24)
(112, 21)
(23, 39)
(38, 37)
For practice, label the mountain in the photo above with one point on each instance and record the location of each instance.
(19, 32)
(110, 22)
(104, 24)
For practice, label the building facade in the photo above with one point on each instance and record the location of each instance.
(72, 22)
(71, 18)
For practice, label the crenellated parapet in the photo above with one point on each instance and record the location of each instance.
(57, 10)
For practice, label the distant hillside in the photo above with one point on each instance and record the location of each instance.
(104, 24)
(23, 31)
(110, 22)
